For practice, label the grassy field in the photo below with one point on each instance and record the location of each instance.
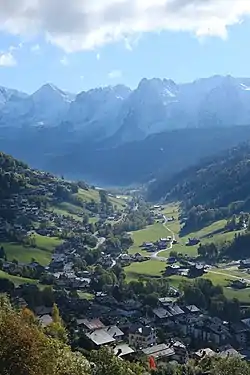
(155, 268)
(85, 295)
(24, 254)
(150, 268)
(16, 279)
(67, 209)
(149, 234)
(88, 195)
(211, 233)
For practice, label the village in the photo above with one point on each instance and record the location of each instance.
(85, 274)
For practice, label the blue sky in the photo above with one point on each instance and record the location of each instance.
(121, 41)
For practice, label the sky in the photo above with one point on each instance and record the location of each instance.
(82, 44)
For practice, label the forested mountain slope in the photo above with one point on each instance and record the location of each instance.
(217, 187)
(104, 163)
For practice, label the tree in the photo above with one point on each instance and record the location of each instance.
(6, 286)
(103, 196)
(56, 329)
(2, 253)
(105, 363)
(85, 218)
(26, 350)
(151, 300)
(231, 366)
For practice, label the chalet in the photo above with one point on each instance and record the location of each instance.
(165, 301)
(142, 336)
(161, 315)
(180, 352)
(192, 242)
(175, 310)
(147, 245)
(241, 333)
(228, 351)
(239, 284)
(172, 260)
(192, 310)
(90, 325)
(115, 332)
(123, 350)
(103, 335)
(196, 270)
(244, 264)
(172, 270)
(161, 351)
(100, 337)
(202, 353)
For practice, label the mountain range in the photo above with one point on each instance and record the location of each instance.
(115, 135)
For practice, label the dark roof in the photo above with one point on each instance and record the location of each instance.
(91, 324)
(192, 309)
(141, 330)
(175, 310)
(161, 313)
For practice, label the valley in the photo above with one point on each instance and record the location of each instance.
(116, 256)
(223, 274)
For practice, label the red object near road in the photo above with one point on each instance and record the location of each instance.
(152, 363)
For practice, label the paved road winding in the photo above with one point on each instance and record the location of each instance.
(157, 253)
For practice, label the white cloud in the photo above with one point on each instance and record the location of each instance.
(81, 78)
(86, 24)
(35, 48)
(15, 48)
(98, 56)
(7, 59)
(114, 74)
(64, 61)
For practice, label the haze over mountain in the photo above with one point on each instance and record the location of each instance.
(157, 124)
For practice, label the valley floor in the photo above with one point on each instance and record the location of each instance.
(223, 275)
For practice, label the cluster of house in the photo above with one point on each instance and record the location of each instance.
(192, 241)
(192, 323)
(160, 244)
(32, 213)
(122, 327)
(126, 329)
(187, 268)
(126, 259)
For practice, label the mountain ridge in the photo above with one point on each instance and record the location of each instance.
(155, 105)
(117, 136)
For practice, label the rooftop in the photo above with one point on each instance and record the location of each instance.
(141, 330)
(100, 337)
(114, 331)
(175, 310)
(161, 313)
(192, 309)
(207, 352)
(124, 349)
(45, 320)
(159, 351)
(91, 324)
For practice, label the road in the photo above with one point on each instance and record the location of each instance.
(100, 241)
(156, 254)
(229, 275)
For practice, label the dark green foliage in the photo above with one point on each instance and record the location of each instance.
(217, 188)
(205, 295)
